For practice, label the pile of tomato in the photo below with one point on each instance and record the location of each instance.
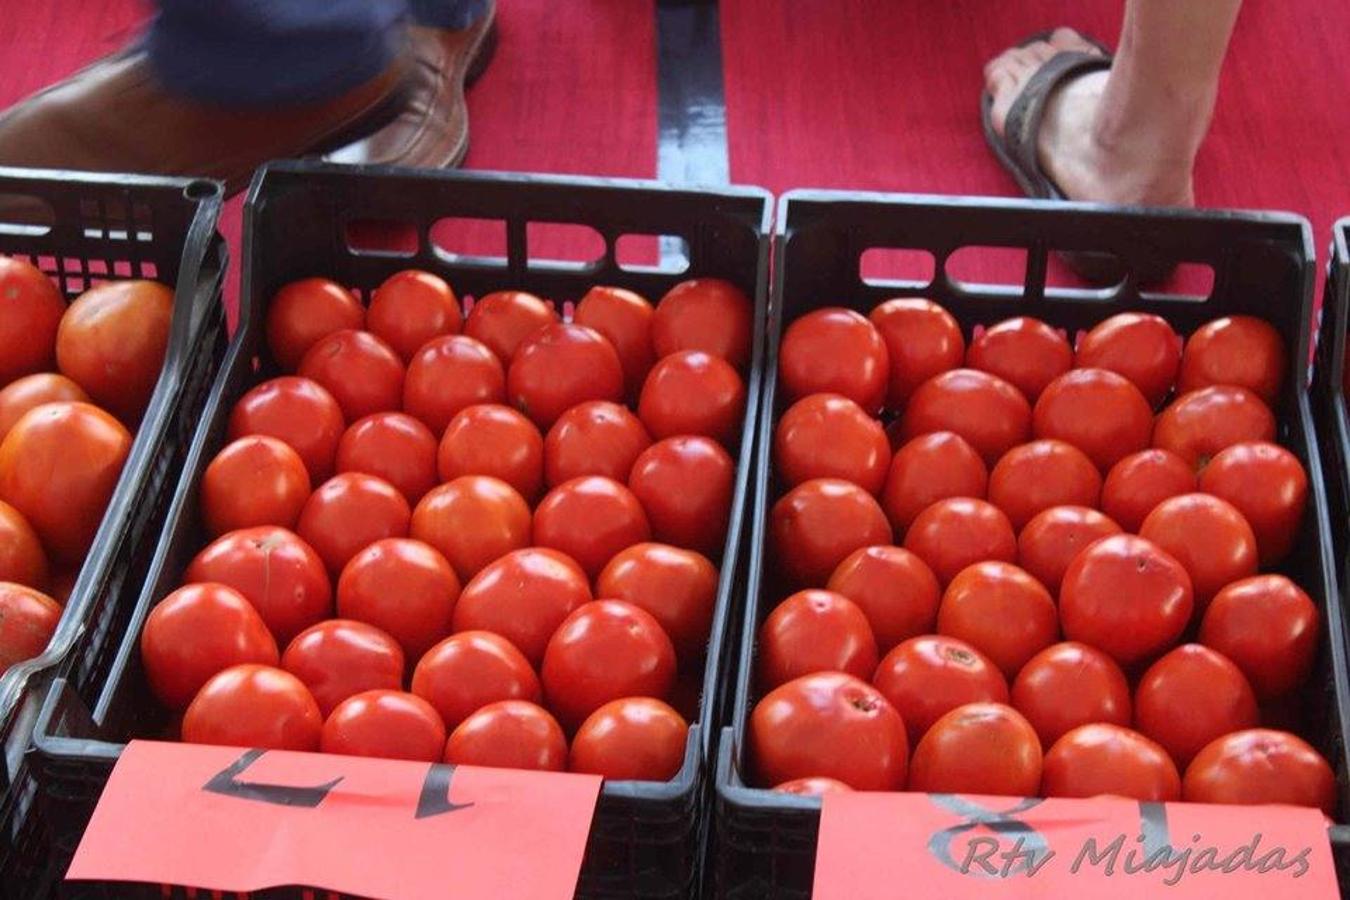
(485, 540)
(1050, 575)
(74, 382)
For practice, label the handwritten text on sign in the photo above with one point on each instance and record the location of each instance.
(244, 820)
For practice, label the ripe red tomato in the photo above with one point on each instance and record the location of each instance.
(1190, 697)
(254, 706)
(1102, 758)
(394, 447)
(278, 573)
(1235, 350)
(410, 308)
(404, 588)
(685, 484)
(560, 366)
(1023, 351)
(829, 436)
(1206, 535)
(472, 521)
(829, 725)
(814, 631)
(386, 724)
(927, 677)
(509, 734)
(1001, 611)
(31, 314)
(1267, 484)
(304, 312)
(1051, 540)
(491, 439)
(1201, 424)
(298, 412)
(502, 320)
(28, 620)
(623, 318)
(594, 438)
(631, 739)
(817, 524)
(62, 584)
(1033, 477)
(1141, 481)
(361, 371)
(1139, 346)
(590, 518)
(678, 587)
(982, 408)
(31, 391)
(1268, 627)
(605, 650)
(1126, 596)
(449, 374)
(1099, 412)
(813, 787)
(959, 532)
(340, 658)
(1260, 766)
(22, 559)
(930, 468)
(112, 342)
(692, 392)
(469, 670)
(523, 596)
(978, 748)
(834, 351)
(348, 513)
(895, 590)
(922, 340)
(707, 314)
(254, 480)
(1067, 685)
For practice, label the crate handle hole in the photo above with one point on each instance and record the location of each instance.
(896, 267)
(382, 237)
(464, 240)
(1190, 282)
(201, 189)
(26, 215)
(664, 254)
(987, 266)
(565, 246)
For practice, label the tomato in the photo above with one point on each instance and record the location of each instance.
(362, 372)
(978, 748)
(410, 308)
(1023, 351)
(1140, 481)
(1191, 696)
(1267, 484)
(1033, 477)
(834, 351)
(469, 670)
(1001, 611)
(403, 587)
(1206, 535)
(692, 392)
(590, 518)
(603, 651)
(304, 312)
(930, 468)
(631, 739)
(829, 725)
(348, 513)
(31, 308)
(449, 374)
(985, 410)
(502, 320)
(27, 622)
(278, 573)
(814, 631)
(685, 485)
(59, 465)
(508, 734)
(922, 340)
(813, 787)
(1067, 685)
(392, 446)
(1235, 350)
(678, 587)
(1268, 627)
(1108, 759)
(625, 320)
(560, 366)
(959, 532)
(22, 559)
(1139, 346)
(491, 439)
(254, 480)
(62, 584)
(927, 677)
(1127, 597)
(254, 706)
(1099, 412)
(707, 314)
(387, 724)
(298, 412)
(815, 526)
(523, 596)
(1201, 424)
(472, 521)
(829, 436)
(594, 438)
(1051, 540)
(340, 658)
(18, 397)
(1259, 766)
(112, 342)
(895, 590)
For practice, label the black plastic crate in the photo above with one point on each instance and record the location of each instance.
(646, 838)
(1328, 392)
(765, 843)
(79, 229)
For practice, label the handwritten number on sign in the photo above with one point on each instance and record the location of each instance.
(435, 797)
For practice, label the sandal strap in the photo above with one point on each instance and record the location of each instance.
(1023, 124)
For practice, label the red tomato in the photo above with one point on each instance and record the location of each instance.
(1126, 596)
(410, 308)
(835, 351)
(1141, 481)
(392, 446)
(31, 391)
(1023, 351)
(112, 342)
(386, 724)
(1267, 484)
(523, 596)
(1105, 759)
(590, 519)
(472, 521)
(403, 587)
(197, 631)
(1190, 697)
(469, 670)
(605, 650)
(1051, 540)
(449, 374)
(978, 748)
(814, 631)
(62, 585)
(1067, 685)
(927, 677)
(958, 532)
(340, 658)
(1001, 611)
(816, 525)
(1269, 628)
(254, 706)
(692, 392)
(625, 320)
(1099, 412)
(22, 559)
(1201, 424)
(829, 725)
(829, 436)
(304, 312)
(508, 734)
(254, 480)
(813, 787)
(1259, 766)
(29, 317)
(1206, 535)
(504, 319)
(1235, 350)
(560, 366)
(595, 438)
(348, 513)
(930, 468)
(631, 739)
(678, 587)
(27, 622)
(361, 371)
(1139, 346)
(922, 340)
(982, 408)
(1033, 477)
(895, 590)
(298, 412)
(706, 314)
(685, 485)
(491, 439)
